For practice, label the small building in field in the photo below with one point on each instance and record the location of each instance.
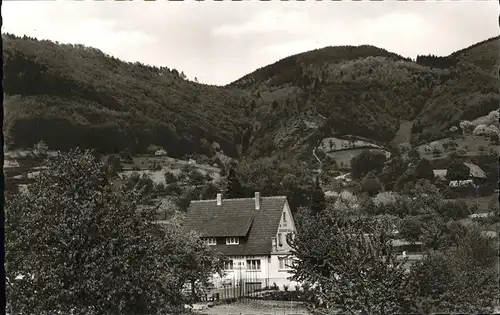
(476, 176)
(251, 233)
(160, 152)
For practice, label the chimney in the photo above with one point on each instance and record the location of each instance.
(219, 199)
(257, 200)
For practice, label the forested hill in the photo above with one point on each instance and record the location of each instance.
(70, 95)
(367, 91)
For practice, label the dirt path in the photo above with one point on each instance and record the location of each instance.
(257, 308)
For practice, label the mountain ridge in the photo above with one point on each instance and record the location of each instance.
(71, 95)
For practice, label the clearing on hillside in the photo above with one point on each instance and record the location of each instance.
(332, 144)
(472, 145)
(403, 134)
(343, 157)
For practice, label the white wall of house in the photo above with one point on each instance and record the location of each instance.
(241, 269)
(272, 268)
(279, 272)
(286, 226)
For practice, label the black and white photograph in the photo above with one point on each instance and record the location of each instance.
(251, 157)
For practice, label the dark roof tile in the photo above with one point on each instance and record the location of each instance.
(238, 217)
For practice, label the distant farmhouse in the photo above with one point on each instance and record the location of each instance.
(476, 176)
(251, 233)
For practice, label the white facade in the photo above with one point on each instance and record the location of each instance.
(264, 270)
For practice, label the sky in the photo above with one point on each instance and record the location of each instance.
(219, 42)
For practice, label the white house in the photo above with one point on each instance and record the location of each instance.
(251, 233)
(160, 152)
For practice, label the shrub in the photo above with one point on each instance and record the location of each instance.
(371, 184)
(454, 209)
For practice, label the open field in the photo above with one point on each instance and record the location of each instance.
(332, 144)
(343, 157)
(403, 134)
(473, 146)
(481, 202)
(253, 307)
(143, 162)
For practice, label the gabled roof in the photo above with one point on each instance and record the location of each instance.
(238, 217)
(475, 171)
(440, 173)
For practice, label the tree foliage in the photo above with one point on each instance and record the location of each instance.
(74, 245)
(462, 280)
(371, 184)
(423, 170)
(411, 229)
(69, 100)
(457, 170)
(275, 177)
(353, 263)
(318, 202)
(366, 162)
(234, 187)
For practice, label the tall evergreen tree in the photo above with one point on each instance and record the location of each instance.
(234, 187)
(318, 202)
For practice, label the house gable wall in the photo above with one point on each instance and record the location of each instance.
(286, 226)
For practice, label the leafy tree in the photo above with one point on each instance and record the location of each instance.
(371, 184)
(234, 187)
(198, 264)
(457, 170)
(209, 191)
(455, 232)
(411, 229)
(353, 263)
(170, 177)
(76, 246)
(425, 197)
(423, 170)
(153, 148)
(277, 176)
(434, 232)
(318, 202)
(142, 183)
(41, 148)
(454, 209)
(464, 280)
(196, 177)
(392, 172)
(113, 165)
(126, 156)
(404, 148)
(367, 161)
(414, 155)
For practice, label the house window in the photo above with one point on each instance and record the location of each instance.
(253, 264)
(284, 218)
(280, 239)
(228, 265)
(210, 241)
(232, 241)
(285, 263)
